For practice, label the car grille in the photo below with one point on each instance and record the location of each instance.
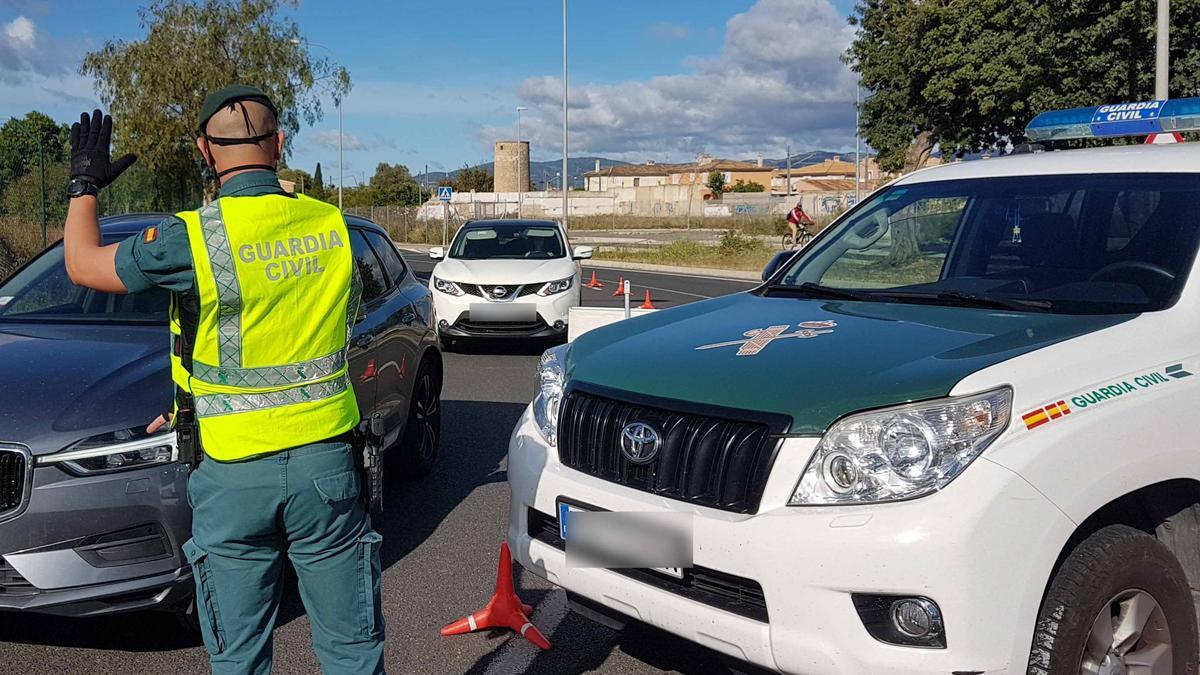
(731, 593)
(12, 479)
(486, 290)
(501, 327)
(12, 583)
(716, 458)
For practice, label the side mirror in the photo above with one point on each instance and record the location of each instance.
(437, 253)
(582, 252)
(775, 264)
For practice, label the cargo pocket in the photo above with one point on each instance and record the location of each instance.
(337, 488)
(209, 613)
(370, 604)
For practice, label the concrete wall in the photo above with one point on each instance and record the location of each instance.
(660, 200)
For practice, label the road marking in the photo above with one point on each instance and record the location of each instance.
(735, 280)
(517, 655)
(633, 290)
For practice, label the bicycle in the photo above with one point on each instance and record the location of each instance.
(790, 243)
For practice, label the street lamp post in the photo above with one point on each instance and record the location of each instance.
(1162, 60)
(565, 172)
(337, 101)
(520, 183)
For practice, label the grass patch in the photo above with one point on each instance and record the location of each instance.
(734, 252)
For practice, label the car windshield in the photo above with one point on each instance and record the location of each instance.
(1075, 244)
(42, 292)
(508, 241)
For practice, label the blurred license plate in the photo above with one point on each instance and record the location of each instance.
(498, 312)
(564, 511)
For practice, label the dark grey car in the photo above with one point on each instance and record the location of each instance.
(92, 510)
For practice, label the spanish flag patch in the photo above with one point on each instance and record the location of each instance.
(151, 234)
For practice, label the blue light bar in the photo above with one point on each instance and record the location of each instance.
(1117, 119)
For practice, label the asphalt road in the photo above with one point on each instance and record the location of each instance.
(441, 540)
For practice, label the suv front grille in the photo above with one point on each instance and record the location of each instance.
(717, 458)
(13, 466)
(488, 291)
(12, 583)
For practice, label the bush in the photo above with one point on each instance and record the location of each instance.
(20, 241)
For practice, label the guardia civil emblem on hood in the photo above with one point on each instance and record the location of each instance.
(757, 339)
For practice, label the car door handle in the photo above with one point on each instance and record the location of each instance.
(363, 341)
(408, 316)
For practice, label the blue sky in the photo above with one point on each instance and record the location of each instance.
(436, 83)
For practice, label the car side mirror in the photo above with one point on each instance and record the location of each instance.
(437, 253)
(582, 252)
(775, 263)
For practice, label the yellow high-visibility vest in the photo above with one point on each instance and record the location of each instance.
(278, 293)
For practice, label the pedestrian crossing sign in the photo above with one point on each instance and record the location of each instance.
(445, 193)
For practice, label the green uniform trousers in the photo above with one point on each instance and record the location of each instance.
(246, 516)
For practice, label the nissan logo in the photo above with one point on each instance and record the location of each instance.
(640, 442)
(499, 292)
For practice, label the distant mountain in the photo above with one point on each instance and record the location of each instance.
(539, 172)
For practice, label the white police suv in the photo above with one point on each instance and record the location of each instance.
(957, 433)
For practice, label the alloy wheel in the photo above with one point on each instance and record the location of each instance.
(1130, 635)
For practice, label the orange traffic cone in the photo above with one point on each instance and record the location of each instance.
(504, 610)
(620, 287)
(647, 304)
(594, 283)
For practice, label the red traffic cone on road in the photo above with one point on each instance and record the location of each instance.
(647, 304)
(504, 610)
(594, 283)
(620, 285)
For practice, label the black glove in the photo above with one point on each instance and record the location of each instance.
(90, 161)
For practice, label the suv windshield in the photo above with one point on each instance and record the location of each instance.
(1077, 244)
(42, 292)
(508, 241)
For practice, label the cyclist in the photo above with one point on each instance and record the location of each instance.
(795, 220)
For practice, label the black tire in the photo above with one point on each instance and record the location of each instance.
(416, 452)
(1115, 562)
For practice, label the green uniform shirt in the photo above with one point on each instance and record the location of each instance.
(166, 260)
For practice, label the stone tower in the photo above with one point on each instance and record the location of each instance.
(511, 169)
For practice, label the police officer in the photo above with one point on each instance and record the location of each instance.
(264, 293)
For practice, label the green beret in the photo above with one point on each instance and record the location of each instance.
(227, 95)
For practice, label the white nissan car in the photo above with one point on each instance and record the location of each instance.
(507, 279)
(959, 432)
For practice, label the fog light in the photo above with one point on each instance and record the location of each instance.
(903, 620)
(443, 324)
(559, 325)
(915, 618)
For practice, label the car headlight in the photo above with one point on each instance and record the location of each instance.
(116, 451)
(556, 286)
(551, 376)
(447, 287)
(902, 452)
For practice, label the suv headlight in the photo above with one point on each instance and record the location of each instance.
(117, 451)
(556, 286)
(902, 452)
(550, 379)
(447, 287)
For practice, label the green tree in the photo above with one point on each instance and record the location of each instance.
(716, 183)
(304, 182)
(393, 184)
(319, 190)
(742, 186)
(21, 199)
(475, 179)
(18, 145)
(154, 86)
(968, 76)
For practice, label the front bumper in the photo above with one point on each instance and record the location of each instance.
(550, 316)
(88, 546)
(982, 549)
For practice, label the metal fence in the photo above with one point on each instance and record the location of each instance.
(402, 224)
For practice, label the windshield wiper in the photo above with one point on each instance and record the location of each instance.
(968, 300)
(814, 290)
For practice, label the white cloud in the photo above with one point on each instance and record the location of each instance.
(26, 53)
(329, 139)
(665, 30)
(778, 78)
